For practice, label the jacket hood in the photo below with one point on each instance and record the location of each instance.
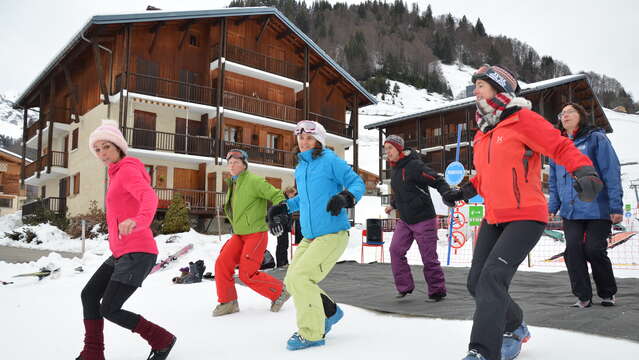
(127, 161)
(409, 154)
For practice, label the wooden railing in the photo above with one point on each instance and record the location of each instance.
(56, 204)
(260, 61)
(332, 126)
(60, 115)
(178, 143)
(59, 159)
(166, 88)
(264, 155)
(196, 200)
(266, 108)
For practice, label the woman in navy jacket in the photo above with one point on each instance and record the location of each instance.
(587, 224)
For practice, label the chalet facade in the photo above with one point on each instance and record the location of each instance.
(434, 132)
(185, 87)
(12, 196)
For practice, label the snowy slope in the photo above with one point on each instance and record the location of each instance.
(10, 118)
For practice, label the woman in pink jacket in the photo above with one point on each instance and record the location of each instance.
(130, 208)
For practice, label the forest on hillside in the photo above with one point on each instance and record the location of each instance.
(379, 40)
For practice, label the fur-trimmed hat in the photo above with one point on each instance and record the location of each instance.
(396, 141)
(108, 131)
(499, 77)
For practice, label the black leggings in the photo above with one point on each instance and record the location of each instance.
(113, 295)
(499, 250)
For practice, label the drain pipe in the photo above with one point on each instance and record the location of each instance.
(110, 68)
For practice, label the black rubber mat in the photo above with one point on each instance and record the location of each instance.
(544, 297)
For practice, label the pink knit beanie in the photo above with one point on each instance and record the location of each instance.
(108, 131)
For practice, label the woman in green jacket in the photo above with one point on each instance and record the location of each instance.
(245, 207)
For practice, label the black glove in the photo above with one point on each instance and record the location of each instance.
(587, 183)
(277, 218)
(466, 192)
(339, 201)
(452, 195)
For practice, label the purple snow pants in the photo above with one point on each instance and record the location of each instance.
(425, 233)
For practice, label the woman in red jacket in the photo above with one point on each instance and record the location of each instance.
(130, 208)
(507, 157)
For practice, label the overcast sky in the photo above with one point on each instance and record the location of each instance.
(601, 36)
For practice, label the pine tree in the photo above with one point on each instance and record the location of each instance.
(427, 18)
(479, 28)
(177, 217)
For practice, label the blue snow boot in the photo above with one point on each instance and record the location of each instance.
(511, 345)
(297, 342)
(474, 355)
(330, 321)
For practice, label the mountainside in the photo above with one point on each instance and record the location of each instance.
(379, 40)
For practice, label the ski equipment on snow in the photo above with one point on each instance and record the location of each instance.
(171, 258)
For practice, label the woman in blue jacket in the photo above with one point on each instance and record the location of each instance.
(587, 224)
(326, 186)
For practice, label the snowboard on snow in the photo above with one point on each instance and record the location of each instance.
(171, 258)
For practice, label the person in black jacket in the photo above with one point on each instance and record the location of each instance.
(410, 180)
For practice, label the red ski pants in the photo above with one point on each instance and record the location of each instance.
(247, 251)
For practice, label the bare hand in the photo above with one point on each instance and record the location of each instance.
(388, 209)
(126, 227)
(616, 218)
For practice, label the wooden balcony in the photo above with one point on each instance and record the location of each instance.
(171, 89)
(178, 143)
(262, 155)
(260, 107)
(60, 115)
(198, 201)
(166, 88)
(56, 204)
(59, 159)
(332, 126)
(260, 61)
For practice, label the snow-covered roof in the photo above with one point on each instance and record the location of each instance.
(14, 154)
(470, 101)
(192, 14)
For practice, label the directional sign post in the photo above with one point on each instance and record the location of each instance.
(454, 175)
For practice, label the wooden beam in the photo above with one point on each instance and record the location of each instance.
(185, 28)
(219, 146)
(355, 134)
(284, 34)
(317, 66)
(51, 118)
(330, 93)
(41, 120)
(155, 30)
(25, 116)
(313, 77)
(264, 25)
(306, 94)
(98, 65)
(332, 82)
(300, 50)
(75, 104)
(241, 20)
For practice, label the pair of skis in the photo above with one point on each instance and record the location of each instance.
(171, 258)
(43, 273)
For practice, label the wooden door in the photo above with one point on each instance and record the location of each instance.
(277, 182)
(211, 186)
(144, 130)
(188, 181)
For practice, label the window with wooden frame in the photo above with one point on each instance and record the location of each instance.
(233, 134)
(6, 203)
(149, 170)
(44, 192)
(76, 184)
(75, 138)
(273, 141)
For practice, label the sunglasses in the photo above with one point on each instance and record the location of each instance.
(237, 154)
(306, 126)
